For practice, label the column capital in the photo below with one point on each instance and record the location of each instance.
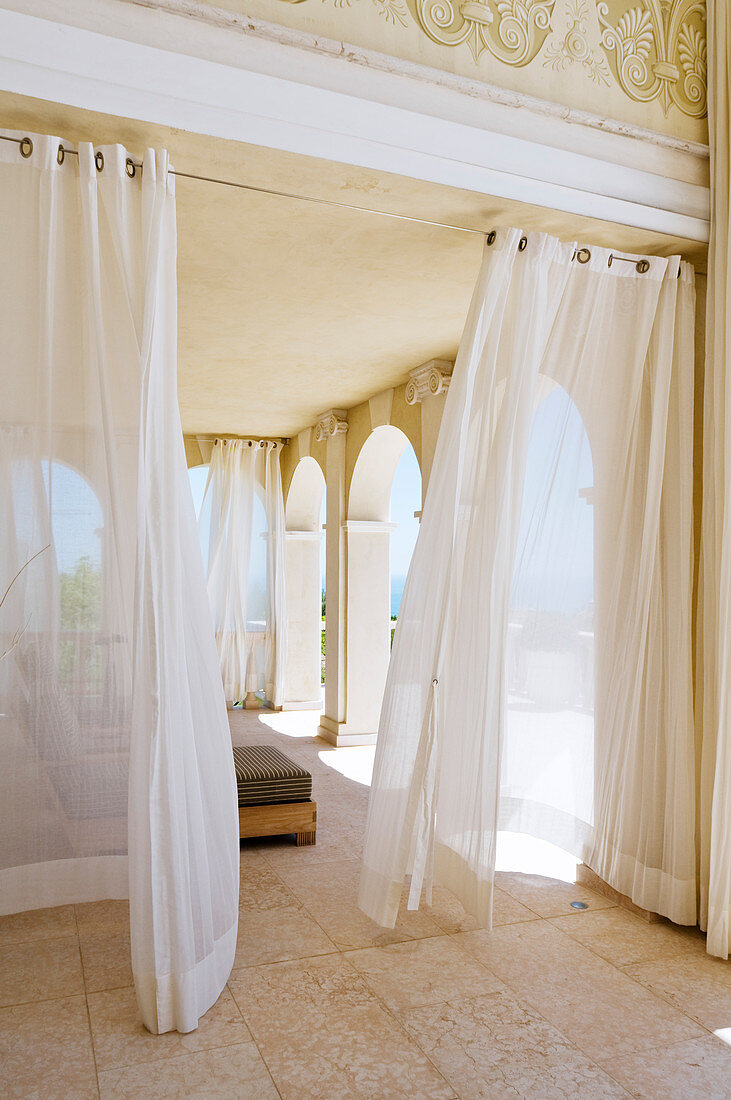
(428, 380)
(331, 423)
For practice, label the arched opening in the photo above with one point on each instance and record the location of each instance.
(77, 529)
(304, 515)
(548, 764)
(385, 494)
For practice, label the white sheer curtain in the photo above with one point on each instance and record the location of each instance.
(110, 696)
(246, 580)
(522, 695)
(714, 659)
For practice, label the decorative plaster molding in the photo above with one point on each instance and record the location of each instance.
(248, 26)
(429, 380)
(331, 423)
(574, 46)
(657, 50)
(513, 31)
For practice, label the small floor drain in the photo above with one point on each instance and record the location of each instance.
(579, 905)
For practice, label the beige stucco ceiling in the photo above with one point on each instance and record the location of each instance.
(287, 308)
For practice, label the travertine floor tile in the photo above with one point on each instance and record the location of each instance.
(450, 914)
(299, 995)
(37, 924)
(261, 890)
(103, 916)
(222, 1074)
(330, 892)
(496, 1048)
(45, 1051)
(120, 1039)
(622, 939)
(278, 935)
(548, 897)
(332, 1038)
(696, 1070)
(422, 972)
(699, 985)
(593, 1004)
(107, 961)
(40, 970)
(362, 1054)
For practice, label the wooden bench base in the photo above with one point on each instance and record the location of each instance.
(279, 819)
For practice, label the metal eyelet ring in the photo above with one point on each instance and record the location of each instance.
(131, 167)
(60, 154)
(491, 236)
(583, 255)
(26, 147)
(99, 161)
(642, 266)
(609, 261)
(522, 244)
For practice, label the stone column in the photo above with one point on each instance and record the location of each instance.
(304, 587)
(368, 628)
(332, 427)
(428, 386)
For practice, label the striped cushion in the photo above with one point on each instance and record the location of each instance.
(264, 775)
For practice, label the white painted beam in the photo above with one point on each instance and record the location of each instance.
(162, 68)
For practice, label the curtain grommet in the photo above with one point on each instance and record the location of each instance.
(582, 255)
(60, 154)
(522, 244)
(491, 237)
(642, 266)
(26, 147)
(99, 161)
(130, 167)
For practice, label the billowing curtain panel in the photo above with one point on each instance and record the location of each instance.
(714, 657)
(522, 697)
(111, 699)
(276, 637)
(246, 585)
(231, 488)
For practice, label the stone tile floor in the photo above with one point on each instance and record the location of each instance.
(554, 1003)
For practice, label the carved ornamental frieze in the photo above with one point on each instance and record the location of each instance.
(657, 50)
(513, 31)
(654, 50)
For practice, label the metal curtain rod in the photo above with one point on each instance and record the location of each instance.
(250, 439)
(132, 166)
(583, 255)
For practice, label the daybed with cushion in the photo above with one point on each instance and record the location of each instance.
(275, 794)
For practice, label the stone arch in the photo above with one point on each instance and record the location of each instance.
(368, 590)
(369, 498)
(304, 498)
(302, 513)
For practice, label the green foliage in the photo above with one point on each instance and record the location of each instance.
(80, 660)
(81, 597)
(323, 603)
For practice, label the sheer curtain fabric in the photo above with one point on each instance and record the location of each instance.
(117, 777)
(540, 681)
(246, 579)
(714, 657)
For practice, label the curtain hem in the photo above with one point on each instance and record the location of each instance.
(165, 1001)
(63, 882)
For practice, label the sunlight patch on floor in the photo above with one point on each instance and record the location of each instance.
(523, 853)
(291, 723)
(354, 763)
